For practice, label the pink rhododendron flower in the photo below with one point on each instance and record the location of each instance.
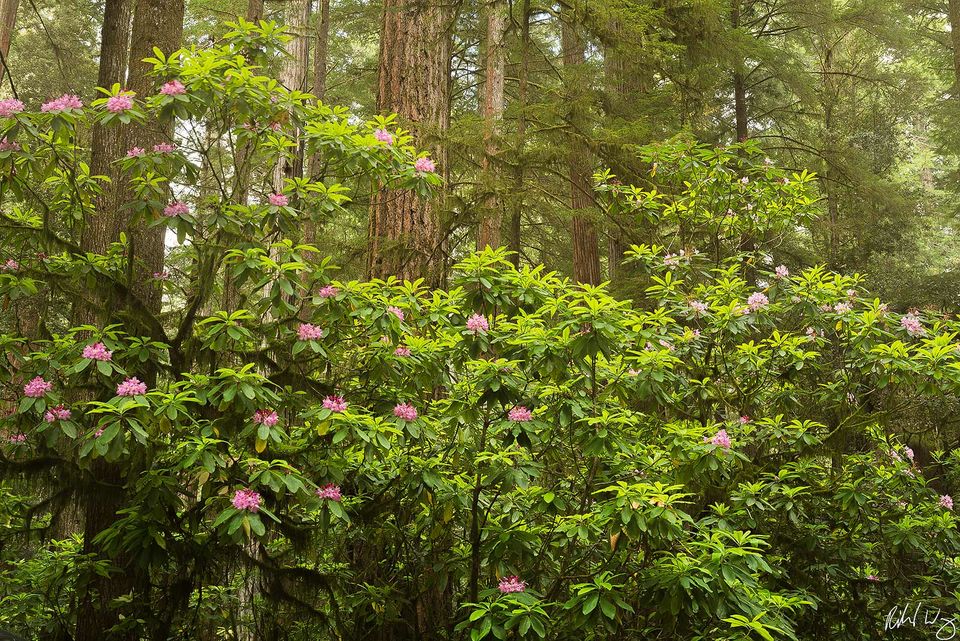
(176, 208)
(9, 145)
(173, 88)
(698, 307)
(164, 148)
(246, 499)
(329, 492)
(405, 411)
(97, 352)
(402, 351)
(132, 387)
(520, 414)
(396, 311)
(509, 584)
(334, 403)
(477, 324)
(851, 293)
(782, 271)
(66, 101)
(424, 165)
(120, 103)
(744, 419)
(58, 413)
(37, 388)
(266, 417)
(308, 332)
(10, 265)
(328, 291)
(757, 300)
(841, 308)
(873, 577)
(384, 136)
(720, 439)
(946, 502)
(136, 152)
(18, 438)
(913, 325)
(278, 200)
(909, 453)
(745, 180)
(10, 107)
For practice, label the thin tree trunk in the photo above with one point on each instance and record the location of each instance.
(8, 21)
(254, 10)
(320, 56)
(586, 253)
(404, 238)
(493, 100)
(516, 217)
(739, 85)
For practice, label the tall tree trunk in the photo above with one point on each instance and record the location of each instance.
(739, 84)
(320, 56)
(516, 216)
(8, 21)
(156, 23)
(491, 217)
(107, 143)
(254, 10)
(293, 76)
(586, 252)
(953, 10)
(404, 237)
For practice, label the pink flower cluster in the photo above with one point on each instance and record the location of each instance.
(64, 102)
(424, 165)
(698, 307)
(946, 502)
(173, 88)
(396, 311)
(402, 351)
(10, 265)
(757, 300)
(266, 417)
(781, 271)
(10, 107)
(720, 439)
(509, 584)
(873, 577)
(328, 291)
(18, 438)
(246, 499)
(164, 148)
(744, 419)
(97, 352)
(120, 103)
(308, 332)
(136, 152)
(176, 208)
(278, 200)
(335, 404)
(384, 136)
(58, 413)
(132, 387)
(405, 411)
(9, 145)
(913, 325)
(329, 492)
(478, 324)
(37, 388)
(520, 414)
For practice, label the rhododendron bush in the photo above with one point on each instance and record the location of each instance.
(285, 455)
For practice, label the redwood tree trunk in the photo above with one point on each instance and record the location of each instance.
(254, 10)
(586, 253)
(404, 238)
(739, 85)
(293, 76)
(8, 20)
(488, 234)
(516, 216)
(156, 23)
